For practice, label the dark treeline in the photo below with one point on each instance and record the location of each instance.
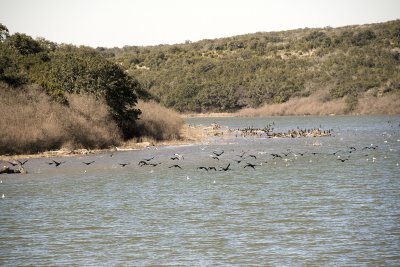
(251, 70)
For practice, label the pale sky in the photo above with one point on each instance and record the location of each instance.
(151, 22)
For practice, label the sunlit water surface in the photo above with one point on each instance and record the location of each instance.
(295, 210)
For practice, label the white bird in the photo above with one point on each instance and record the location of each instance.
(2, 196)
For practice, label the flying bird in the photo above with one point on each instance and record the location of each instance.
(56, 163)
(241, 156)
(250, 165)
(218, 153)
(123, 164)
(214, 157)
(276, 156)
(22, 163)
(226, 168)
(175, 166)
(88, 163)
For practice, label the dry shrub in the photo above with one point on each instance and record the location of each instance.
(31, 123)
(316, 104)
(312, 105)
(89, 124)
(157, 122)
(387, 104)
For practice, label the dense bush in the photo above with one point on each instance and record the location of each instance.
(157, 122)
(264, 68)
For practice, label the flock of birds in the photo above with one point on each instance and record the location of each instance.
(268, 131)
(231, 159)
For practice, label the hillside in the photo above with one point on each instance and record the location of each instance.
(251, 70)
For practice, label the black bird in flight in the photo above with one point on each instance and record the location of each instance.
(148, 159)
(88, 163)
(253, 156)
(12, 163)
(334, 153)
(56, 163)
(212, 168)
(250, 165)
(123, 164)
(226, 168)
(343, 160)
(22, 162)
(214, 157)
(143, 163)
(175, 166)
(276, 156)
(218, 154)
(241, 156)
(202, 168)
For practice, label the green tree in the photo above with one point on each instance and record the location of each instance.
(84, 71)
(4, 34)
(24, 44)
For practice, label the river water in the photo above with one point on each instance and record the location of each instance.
(304, 208)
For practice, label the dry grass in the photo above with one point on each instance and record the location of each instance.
(31, 123)
(312, 105)
(317, 104)
(158, 123)
(388, 104)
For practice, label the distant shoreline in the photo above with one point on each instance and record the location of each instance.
(189, 134)
(314, 105)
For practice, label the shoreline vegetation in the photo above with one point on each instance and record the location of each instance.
(315, 105)
(158, 125)
(188, 134)
(60, 100)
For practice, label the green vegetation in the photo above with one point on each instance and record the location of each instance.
(57, 95)
(66, 69)
(251, 70)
